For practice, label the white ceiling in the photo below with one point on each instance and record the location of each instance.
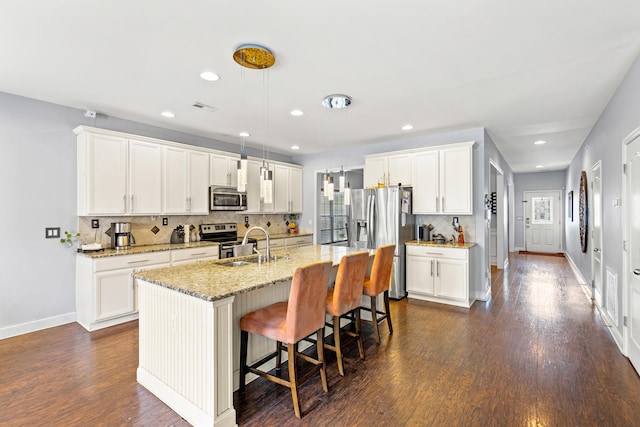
(523, 70)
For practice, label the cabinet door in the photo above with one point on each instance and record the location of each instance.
(145, 178)
(114, 294)
(420, 274)
(455, 180)
(220, 171)
(295, 190)
(105, 173)
(452, 281)
(426, 183)
(175, 199)
(198, 182)
(281, 189)
(375, 170)
(399, 171)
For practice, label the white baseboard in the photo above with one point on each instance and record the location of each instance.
(37, 325)
(518, 249)
(576, 271)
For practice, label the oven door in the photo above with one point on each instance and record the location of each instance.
(227, 199)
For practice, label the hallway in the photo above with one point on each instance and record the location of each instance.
(537, 354)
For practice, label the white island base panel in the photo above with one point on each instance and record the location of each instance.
(186, 354)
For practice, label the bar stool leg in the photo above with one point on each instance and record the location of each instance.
(278, 356)
(293, 378)
(374, 319)
(323, 366)
(386, 309)
(336, 341)
(359, 334)
(244, 338)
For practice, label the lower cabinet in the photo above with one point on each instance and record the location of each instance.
(287, 242)
(106, 293)
(440, 274)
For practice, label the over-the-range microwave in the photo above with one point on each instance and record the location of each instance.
(227, 199)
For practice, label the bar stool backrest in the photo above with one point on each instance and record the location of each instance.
(381, 270)
(347, 290)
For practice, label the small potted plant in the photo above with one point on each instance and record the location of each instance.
(68, 238)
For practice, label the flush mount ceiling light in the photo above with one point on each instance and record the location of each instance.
(407, 127)
(297, 113)
(295, 147)
(168, 114)
(538, 166)
(336, 101)
(540, 142)
(209, 76)
(254, 56)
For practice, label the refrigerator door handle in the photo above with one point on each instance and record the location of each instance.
(371, 220)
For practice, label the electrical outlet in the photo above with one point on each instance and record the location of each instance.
(165, 221)
(52, 232)
(95, 223)
(246, 219)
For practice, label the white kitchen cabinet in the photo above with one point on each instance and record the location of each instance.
(186, 181)
(191, 255)
(105, 290)
(286, 242)
(224, 170)
(390, 169)
(440, 274)
(287, 189)
(254, 203)
(117, 175)
(442, 180)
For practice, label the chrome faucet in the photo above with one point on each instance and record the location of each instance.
(266, 233)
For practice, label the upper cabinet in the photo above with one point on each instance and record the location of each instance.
(288, 189)
(186, 181)
(117, 176)
(388, 169)
(442, 180)
(224, 170)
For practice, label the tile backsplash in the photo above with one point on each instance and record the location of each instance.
(442, 225)
(148, 230)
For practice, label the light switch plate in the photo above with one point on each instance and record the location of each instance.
(165, 221)
(52, 232)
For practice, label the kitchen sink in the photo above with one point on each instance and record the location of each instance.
(239, 263)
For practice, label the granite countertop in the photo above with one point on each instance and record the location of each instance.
(212, 280)
(145, 249)
(258, 235)
(465, 245)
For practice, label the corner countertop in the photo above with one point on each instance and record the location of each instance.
(213, 280)
(465, 245)
(145, 249)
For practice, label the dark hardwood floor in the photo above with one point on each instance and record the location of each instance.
(537, 354)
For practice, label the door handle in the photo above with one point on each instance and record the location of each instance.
(596, 250)
(636, 271)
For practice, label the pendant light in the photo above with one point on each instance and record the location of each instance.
(341, 180)
(242, 165)
(330, 188)
(325, 184)
(347, 195)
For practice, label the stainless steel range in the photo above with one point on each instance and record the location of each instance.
(226, 234)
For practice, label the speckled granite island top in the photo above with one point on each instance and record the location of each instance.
(440, 245)
(145, 249)
(212, 280)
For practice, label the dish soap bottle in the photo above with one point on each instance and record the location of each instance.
(460, 236)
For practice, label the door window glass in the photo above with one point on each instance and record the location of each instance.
(542, 210)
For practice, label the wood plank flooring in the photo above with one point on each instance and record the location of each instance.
(537, 354)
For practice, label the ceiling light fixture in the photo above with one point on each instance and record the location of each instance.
(538, 166)
(210, 76)
(297, 113)
(244, 134)
(407, 127)
(168, 114)
(336, 101)
(254, 56)
(540, 142)
(295, 147)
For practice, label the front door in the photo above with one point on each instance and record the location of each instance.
(633, 270)
(596, 233)
(543, 221)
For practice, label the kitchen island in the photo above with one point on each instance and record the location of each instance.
(188, 328)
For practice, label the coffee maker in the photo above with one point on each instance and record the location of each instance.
(121, 237)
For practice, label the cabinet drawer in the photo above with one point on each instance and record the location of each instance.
(300, 241)
(178, 255)
(131, 261)
(275, 244)
(438, 252)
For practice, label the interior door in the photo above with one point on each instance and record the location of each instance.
(543, 221)
(633, 270)
(596, 232)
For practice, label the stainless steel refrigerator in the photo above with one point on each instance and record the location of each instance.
(382, 216)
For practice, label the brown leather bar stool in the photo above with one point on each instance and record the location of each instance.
(344, 298)
(379, 283)
(288, 323)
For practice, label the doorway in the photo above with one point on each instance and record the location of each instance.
(631, 260)
(543, 221)
(499, 224)
(596, 232)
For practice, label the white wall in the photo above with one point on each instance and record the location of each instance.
(38, 190)
(554, 180)
(604, 143)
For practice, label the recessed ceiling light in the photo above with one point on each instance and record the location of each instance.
(540, 142)
(244, 134)
(168, 114)
(210, 76)
(297, 112)
(295, 147)
(336, 101)
(407, 127)
(538, 166)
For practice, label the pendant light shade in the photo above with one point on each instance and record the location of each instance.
(330, 189)
(347, 195)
